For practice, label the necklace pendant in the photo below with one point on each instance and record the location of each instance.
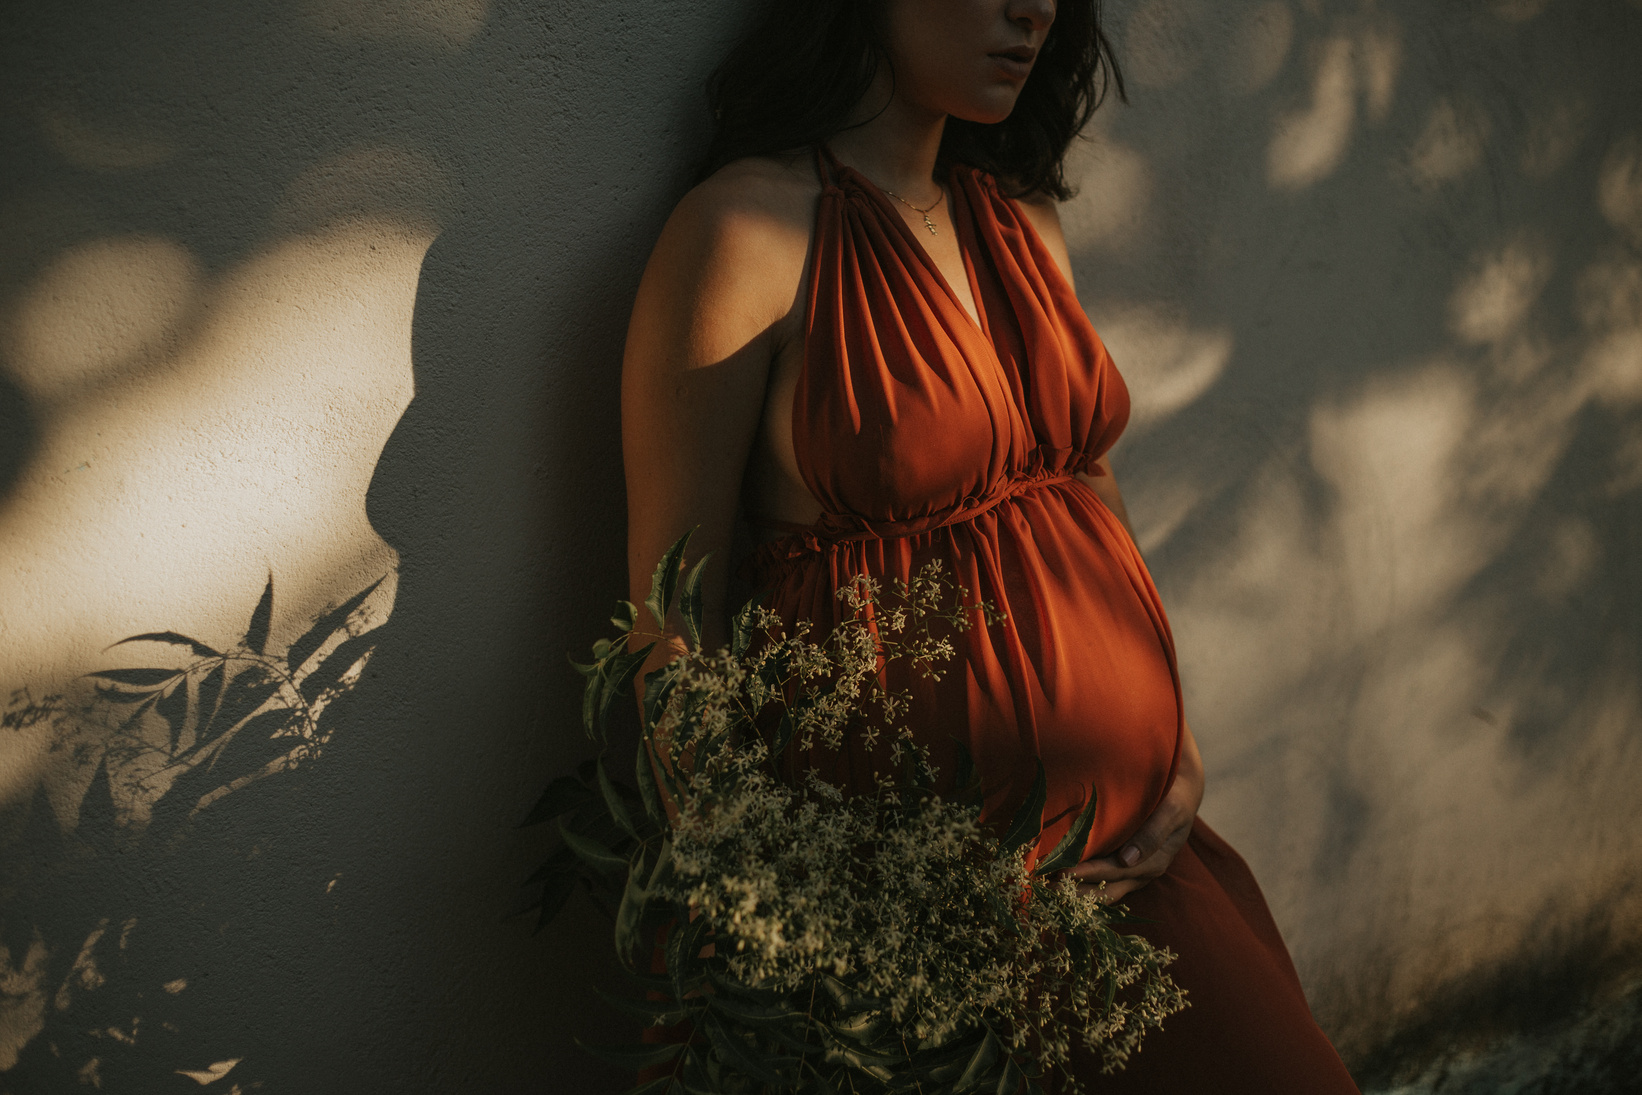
(929, 224)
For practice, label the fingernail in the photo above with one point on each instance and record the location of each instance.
(1129, 856)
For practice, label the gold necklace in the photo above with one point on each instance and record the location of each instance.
(924, 212)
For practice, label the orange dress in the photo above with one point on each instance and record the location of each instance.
(926, 435)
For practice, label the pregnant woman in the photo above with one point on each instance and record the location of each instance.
(859, 333)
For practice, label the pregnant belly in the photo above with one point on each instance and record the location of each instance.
(1080, 673)
(1084, 660)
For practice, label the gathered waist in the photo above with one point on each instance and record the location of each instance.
(833, 530)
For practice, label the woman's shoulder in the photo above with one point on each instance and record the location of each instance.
(732, 253)
(750, 204)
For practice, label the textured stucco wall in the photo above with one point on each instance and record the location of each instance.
(299, 296)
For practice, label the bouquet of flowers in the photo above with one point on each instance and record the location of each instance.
(817, 940)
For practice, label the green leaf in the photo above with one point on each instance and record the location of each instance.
(684, 943)
(664, 580)
(662, 872)
(562, 795)
(823, 1086)
(633, 1057)
(629, 916)
(592, 693)
(614, 803)
(744, 1011)
(735, 1052)
(985, 1054)
(648, 1012)
(689, 602)
(861, 1026)
(658, 684)
(173, 639)
(667, 1085)
(741, 626)
(619, 672)
(1028, 820)
(644, 774)
(594, 854)
(562, 861)
(136, 678)
(1078, 944)
(555, 892)
(256, 633)
(1070, 849)
(626, 616)
(784, 731)
(1010, 1082)
(657, 983)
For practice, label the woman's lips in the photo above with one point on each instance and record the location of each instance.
(1016, 63)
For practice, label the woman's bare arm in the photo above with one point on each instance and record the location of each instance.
(706, 325)
(1151, 849)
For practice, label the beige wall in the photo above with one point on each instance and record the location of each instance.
(306, 295)
(1374, 271)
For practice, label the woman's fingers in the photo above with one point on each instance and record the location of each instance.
(1143, 857)
(1108, 893)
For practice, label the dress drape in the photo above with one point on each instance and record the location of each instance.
(928, 434)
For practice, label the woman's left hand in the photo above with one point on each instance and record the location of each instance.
(1148, 853)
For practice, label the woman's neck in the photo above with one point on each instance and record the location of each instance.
(896, 146)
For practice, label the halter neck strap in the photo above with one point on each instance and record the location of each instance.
(826, 164)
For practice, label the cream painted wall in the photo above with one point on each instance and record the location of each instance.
(300, 296)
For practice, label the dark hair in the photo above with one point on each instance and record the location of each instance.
(793, 79)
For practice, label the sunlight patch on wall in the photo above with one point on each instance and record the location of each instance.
(1389, 454)
(253, 442)
(22, 998)
(448, 23)
(1608, 298)
(211, 1073)
(97, 148)
(1572, 553)
(1225, 626)
(102, 305)
(1494, 301)
(1619, 188)
(1518, 11)
(1386, 722)
(1450, 145)
(403, 185)
(1167, 506)
(1168, 363)
(1310, 143)
(1554, 133)
(1114, 185)
(1380, 49)
(1259, 47)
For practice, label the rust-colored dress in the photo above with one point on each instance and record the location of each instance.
(925, 435)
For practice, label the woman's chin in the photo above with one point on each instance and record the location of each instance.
(989, 109)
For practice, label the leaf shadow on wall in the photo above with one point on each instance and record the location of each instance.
(1373, 273)
(345, 924)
